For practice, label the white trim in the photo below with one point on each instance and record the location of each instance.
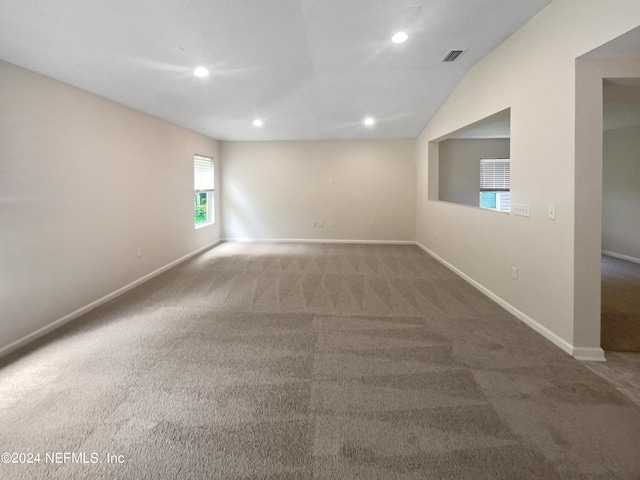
(579, 353)
(589, 354)
(317, 240)
(621, 256)
(82, 310)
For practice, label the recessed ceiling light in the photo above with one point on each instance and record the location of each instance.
(201, 72)
(257, 122)
(399, 37)
(369, 121)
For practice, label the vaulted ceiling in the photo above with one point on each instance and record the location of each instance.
(309, 69)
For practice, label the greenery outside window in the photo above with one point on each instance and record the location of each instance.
(203, 186)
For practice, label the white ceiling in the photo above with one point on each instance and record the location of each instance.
(311, 69)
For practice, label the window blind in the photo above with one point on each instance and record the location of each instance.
(495, 175)
(202, 173)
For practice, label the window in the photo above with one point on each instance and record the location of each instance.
(203, 190)
(495, 184)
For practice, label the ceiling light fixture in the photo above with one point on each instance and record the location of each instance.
(399, 37)
(201, 72)
(257, 122)
(369, 121)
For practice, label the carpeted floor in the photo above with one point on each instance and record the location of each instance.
(620, 318)
(300, 361)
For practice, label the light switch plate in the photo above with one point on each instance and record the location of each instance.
(522, 209)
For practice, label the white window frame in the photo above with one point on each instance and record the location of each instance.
(204, 182)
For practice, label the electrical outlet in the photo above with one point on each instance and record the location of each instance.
(138, 252)
(551, 212)
(318, 224)
(371, 225)
(514, 273)
(522, 209)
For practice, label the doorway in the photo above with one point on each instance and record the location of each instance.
(620, 306)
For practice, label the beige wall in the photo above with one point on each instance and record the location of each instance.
(83, 183)
(276, 190)
(459, 169)
(534, 73)
(621, 192)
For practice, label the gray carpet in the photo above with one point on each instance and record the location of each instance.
(298, 361)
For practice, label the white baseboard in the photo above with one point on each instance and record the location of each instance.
(589, 354)
(81, 311)
(580, 353)
(317, 240)
(620, 256)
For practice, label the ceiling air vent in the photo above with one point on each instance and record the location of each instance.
(453, 55)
